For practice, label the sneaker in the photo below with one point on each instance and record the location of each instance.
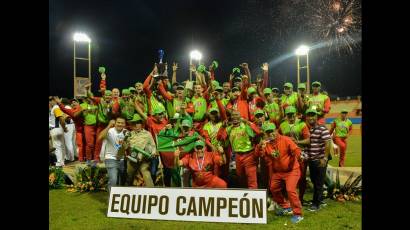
(313, 208)
(306, 203)
(322, 203)
(271, 207)
(296, 219)
(284, 211)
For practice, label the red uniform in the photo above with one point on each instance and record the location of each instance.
(79, 128)
(285, 167)
(202, 169)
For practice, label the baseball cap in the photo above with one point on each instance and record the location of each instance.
(275, 89)
(268, 126)
(316, 83)
(288, 84)
(199, 143)
(345, 111)
(259, 111)
(131, 89)
(138, 84)
(302, 86)
(235, 89)
(136, 118)
(219, 88)
(290, 109)
(186, 123)
(180, 87)
(311, 111)
(236, 79)
(215, 83)
(158, 110)
(213, 109)
(107, 93)
(267, 91)
(251, 90)
(125, 92)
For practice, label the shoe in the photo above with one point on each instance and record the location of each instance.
(313, 208)
(296, 219)
(271, 207)
(322, 203)
(306, 203)
(284, 211)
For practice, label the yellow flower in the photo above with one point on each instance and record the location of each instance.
(51, 178)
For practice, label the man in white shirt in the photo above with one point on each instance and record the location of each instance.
(69, 137)
(113, 136)
(57, 128)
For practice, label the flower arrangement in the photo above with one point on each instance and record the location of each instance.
(55, 177)
(90, 179)
(350, 191)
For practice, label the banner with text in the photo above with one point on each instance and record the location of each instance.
(189, 204)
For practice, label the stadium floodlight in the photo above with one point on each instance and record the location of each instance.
(81, 37)
(196, 55)
(302, 50)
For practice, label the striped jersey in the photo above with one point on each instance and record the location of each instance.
(318, 137)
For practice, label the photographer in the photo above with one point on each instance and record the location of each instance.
(141, 147)
(112, 138)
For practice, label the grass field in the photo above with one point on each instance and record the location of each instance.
(88, 211)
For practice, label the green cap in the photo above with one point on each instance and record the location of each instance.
(235, 89)
(237, 79)
(186, 123)
(259, 111)
(316, 83)
(288, 84)
(215, 83)
(125, 92)
(199, 143)
(201, 68)
(251, 90)
(158, 110)
(215, 64)
(268, 126)
(176, 116)
(275, 89)
(101, 69)
(138, 83)
(236, 70)
(213, 109)
(131, 89)
(267, 91)
(302, 86)
(311, 111)
(345, 111)
(136, 118)
(180, 87)
(107, 93)
(219, 88)
(290, 109)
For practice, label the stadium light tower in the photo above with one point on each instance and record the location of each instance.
(303, 50)
(81, 38)
(194, 55)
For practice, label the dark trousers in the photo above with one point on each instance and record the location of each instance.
(317, 176)
(154, 168)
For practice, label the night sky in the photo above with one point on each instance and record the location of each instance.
(126, 36)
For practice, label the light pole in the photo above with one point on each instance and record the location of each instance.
(196, 55)
(81, 38)
(303, 51)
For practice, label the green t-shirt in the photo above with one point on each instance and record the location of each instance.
(342, 127)
(199, 104)
(290, 100)
(213, 103)
(89, 113)
(127, 109)
(174, 105)
(104, 111)
(272, 110)
(155, 103)
(318, 101)
(293, 130)
(212, 130)
(240, 137)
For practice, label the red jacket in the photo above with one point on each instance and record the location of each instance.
(78, 121)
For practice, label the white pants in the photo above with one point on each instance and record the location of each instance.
(69, 139)
(57, 136)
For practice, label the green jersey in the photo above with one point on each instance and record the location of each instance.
(127, 109)
(342, 127)
(199, 104)
(213, 103)
(293, 130)
(273, 111)
(290, 100)
(104, 111)
(240, 137)
(212, 130)
(89, 113)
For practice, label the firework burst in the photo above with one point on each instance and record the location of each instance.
(338, 22)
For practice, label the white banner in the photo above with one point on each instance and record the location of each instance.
(189, 204)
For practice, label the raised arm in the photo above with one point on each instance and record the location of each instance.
(174, 72)
(265, 76)
(164, 93)
(104, 133)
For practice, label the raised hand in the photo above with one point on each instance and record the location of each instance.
(112, 123)
(57, 99)
(244, 65)
(265, 66)
(174, 66)
(103, 76)
(192, 68)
